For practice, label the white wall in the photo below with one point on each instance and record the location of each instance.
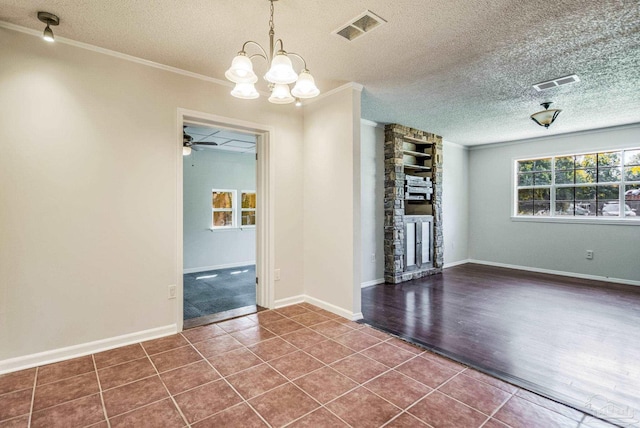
(494, 237)
(372, 201)
(88, 192)
(332, 200)
(206, 249)
(455, 202)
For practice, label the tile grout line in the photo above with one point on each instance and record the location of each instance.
(497, 409)
(104, 408)
(165, 386)
(229, 385)
(33, 397)
(277, 371)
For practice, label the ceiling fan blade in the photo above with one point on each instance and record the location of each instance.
(205, 143)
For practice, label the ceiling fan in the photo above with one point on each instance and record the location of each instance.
(188, 144)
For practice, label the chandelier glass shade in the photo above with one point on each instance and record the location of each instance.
(279, 76)
(547, 116)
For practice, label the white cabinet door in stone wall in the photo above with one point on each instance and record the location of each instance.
(418, 232)
(410, 252)
(426, 242)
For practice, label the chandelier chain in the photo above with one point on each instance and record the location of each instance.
(271, 17)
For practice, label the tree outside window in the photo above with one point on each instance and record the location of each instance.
(223, 208)
(248, 211)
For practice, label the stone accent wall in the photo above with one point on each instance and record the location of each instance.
(395, 209)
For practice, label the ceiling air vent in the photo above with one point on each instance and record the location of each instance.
(359, 25)
(556, 82)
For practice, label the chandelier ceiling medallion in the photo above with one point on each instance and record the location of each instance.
(280, 75)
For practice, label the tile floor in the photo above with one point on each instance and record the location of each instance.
(298, 366)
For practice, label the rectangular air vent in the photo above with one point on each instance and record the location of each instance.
(556, 82)
(360, 25)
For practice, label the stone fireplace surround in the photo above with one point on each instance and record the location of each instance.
(397, 209)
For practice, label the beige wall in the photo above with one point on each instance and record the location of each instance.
(88, 192)
(332, 200)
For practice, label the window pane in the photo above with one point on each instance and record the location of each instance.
(565, 194)
(248, 218)
(586, 193)
(632, 157)
(248, 200)
(632, 173)
(542, 178)
(565, 162)
(564, 200)
(222, 218)
(222, 200)
(609, 159)
(584, 207)
(564, 177)
(632, 199)
(525, 179)
(541, 208)
(543, 164)
(586, 175)
(608, 175)
(608, 200)
(525, 202)
(524, 166)
(586, 161)
(541, 204)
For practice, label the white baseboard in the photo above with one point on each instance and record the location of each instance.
(330, 307)
(458, 263)
(216, 267)
(288, 301)
(558, 272)
(372, 283)
(55, 355)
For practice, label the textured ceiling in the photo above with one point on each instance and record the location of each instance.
(459, 68)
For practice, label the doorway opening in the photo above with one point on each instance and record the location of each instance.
(220, 209)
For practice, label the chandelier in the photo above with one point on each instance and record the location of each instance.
(547, 116)
(280, 75)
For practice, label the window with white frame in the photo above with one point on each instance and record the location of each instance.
(248, 210)
(601, 184)
(223, 208)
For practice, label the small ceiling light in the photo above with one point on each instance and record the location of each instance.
(280, 73)
(298, 102)
(280, 94)
(545, 117)
(305, 86)
(49, 19)
(245, 91)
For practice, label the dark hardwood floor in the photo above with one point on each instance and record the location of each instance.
(573, 340)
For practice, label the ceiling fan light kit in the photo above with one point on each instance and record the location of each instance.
(547, 116)
(279, 76)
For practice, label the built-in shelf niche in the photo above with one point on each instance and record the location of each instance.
(413, 190)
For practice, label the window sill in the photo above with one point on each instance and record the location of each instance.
(634, 221)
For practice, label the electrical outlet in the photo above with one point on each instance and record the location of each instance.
(276, 275)
(373, 258)
(173, 292)
(589, 255)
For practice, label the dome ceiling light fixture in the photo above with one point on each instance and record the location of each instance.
(546, 116)
(49, 19)
(279, 76)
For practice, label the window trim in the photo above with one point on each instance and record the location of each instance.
(552, 218)
(232, 210)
